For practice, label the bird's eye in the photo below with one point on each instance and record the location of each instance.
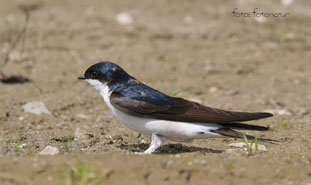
(94, 74)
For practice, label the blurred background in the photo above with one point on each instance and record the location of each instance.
(199, 50)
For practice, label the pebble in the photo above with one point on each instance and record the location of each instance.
(213, 89)
(261, 19)
(16, 56)
(81, 136)
(124, 18)
(231, 92)
(270, 45)
(232, 150)
(296, 82)
(23, 145)
(275, 103)
(36, 107)
(243, 145)
(188, 19)
(287, 2)
(209, 68)
(279, 111)
(82, 116)
(49, 150)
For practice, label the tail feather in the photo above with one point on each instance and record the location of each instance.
(232, 133)
(243, 126)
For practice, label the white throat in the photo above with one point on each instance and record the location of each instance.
(102, 89)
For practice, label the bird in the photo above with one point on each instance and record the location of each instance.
(150, 112)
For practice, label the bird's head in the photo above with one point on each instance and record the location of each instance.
(105, 73)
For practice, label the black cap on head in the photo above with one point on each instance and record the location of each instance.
(104, 72)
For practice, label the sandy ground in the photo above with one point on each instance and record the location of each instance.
(194, 49)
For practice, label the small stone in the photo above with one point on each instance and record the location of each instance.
(275, 103)
(287, 2)
(16, 56)
(49, 150)
(261, 19)
(279, 111)
(284, 112)
(124, 18)
(36, 107)
(270, 45)
(261, 147)
(81, 136)
(209, 68)
(213, 89)
(237, 145)
(23, 145)
(232, 150)
(82, 116)
(231, 92)
(243, 145)
(296, 82)
(188, 19)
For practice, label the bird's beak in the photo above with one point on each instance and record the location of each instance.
(81, 77)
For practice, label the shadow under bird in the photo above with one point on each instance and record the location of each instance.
(150, 112)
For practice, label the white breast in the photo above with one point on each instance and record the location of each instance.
(134, 123)
(172, 130)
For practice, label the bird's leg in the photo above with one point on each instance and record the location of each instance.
(156, 142)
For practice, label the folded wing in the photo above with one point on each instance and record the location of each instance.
(179, 109)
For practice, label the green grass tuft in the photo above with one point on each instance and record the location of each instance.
(251, 147)
(177, 94)
(284, 36)
(285, 125)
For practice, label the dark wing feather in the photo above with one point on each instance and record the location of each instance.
(188, 111)
(243, 126)
(135, 107)
(182, 110)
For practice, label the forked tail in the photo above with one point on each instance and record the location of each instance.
(228, 132)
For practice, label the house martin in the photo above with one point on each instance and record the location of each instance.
(151, 112)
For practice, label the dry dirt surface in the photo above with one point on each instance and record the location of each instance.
(198, 50)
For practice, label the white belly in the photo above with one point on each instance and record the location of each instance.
(172, 130)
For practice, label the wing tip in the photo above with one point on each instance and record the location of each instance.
(262, 128)
(243, 126)
(266, 114)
